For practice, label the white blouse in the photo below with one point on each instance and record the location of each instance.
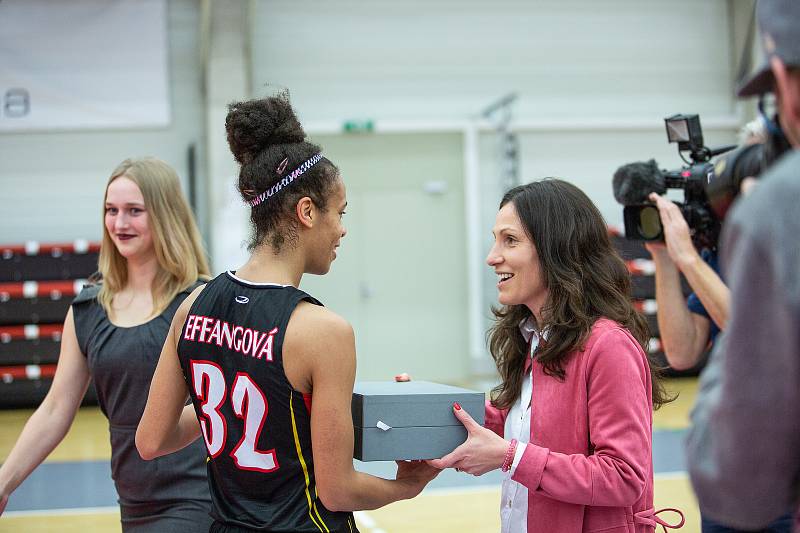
(514, 496)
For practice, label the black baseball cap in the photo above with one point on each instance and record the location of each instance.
(779, 22)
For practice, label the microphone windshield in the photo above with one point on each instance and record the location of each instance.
(634, 181)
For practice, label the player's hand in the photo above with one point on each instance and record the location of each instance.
(482, 452)
(402, 377)
(677, 239)
(415, 474)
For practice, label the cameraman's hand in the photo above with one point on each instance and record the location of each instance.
(677, 239)
(658, 250)
(748, 184)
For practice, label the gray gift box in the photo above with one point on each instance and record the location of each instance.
(410, 420)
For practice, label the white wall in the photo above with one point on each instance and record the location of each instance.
(449, 58)
(399, 276)
(594, 82)
(51, 184)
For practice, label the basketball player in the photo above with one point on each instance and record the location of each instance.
(251, 349)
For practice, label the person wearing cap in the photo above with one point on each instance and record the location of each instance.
(744, 445)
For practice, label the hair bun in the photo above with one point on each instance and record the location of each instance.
(255, 125)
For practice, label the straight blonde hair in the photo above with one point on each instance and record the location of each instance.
(176, 239)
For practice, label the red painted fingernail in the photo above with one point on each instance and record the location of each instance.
(458, 407)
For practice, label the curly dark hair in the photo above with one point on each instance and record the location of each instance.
(586, 280)
(262, 133)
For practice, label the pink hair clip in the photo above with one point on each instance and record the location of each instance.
(282, 166)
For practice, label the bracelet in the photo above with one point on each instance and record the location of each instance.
(509, 459)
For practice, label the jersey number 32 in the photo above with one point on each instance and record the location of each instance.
(248, 403)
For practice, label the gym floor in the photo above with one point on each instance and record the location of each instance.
(73, 492)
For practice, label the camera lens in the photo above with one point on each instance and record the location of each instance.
(729, 171)
(649, 223)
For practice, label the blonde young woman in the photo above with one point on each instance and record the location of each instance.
(151, 258)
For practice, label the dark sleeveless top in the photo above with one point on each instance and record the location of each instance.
(122, 361)
(256, 426)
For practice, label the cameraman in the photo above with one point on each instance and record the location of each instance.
(685, 326)
(744, 446)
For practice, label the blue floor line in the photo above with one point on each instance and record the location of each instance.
(74, 485)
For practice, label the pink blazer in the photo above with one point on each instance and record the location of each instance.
(589, 464)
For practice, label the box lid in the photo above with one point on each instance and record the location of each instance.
(412, 403)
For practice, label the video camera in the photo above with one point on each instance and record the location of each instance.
(709, 188)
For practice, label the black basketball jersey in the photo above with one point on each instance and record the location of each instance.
(256, 426)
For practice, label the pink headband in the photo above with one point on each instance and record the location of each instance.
(296, 173)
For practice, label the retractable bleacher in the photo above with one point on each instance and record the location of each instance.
(37, 284)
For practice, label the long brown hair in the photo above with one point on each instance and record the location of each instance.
(586, 280)
(176, 239)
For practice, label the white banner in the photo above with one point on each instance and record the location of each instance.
(83, 64)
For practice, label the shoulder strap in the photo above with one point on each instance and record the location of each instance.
(188, 290)
(301, 295)
(180, 297)
(86, 313)
(88, 293)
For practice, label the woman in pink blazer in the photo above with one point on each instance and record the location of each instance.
(571, 421)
